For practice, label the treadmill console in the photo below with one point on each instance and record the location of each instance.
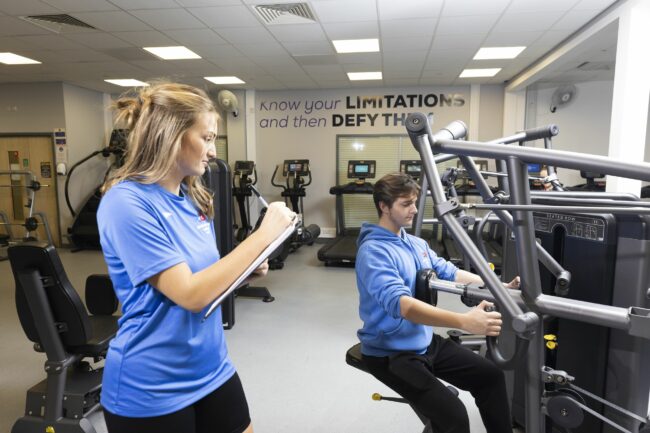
(534, 169)
(361, 169)
(244, 168)
(412, 167)
(297, 167)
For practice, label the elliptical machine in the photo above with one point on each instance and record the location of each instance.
(243, 180)
(84, 233)
(295, 171)
(244, 176)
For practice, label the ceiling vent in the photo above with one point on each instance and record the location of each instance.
(596, 66)
(285, 13)
(56, 23)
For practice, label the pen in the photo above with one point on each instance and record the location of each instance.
(257, 193)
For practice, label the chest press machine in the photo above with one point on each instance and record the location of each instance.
(550, 395)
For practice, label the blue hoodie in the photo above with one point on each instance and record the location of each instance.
(386, 268)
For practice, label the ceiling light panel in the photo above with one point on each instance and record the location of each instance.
(359, 76)
(15, 59)
(225, 80)
(172, 53)
(492, 53)
(356, 46)
(476, 73)
(127, 82)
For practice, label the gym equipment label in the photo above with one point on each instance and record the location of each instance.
(582, 227)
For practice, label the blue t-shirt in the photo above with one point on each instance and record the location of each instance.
(164, 357)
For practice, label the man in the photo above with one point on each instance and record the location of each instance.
(397, 339)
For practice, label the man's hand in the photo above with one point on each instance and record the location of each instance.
(514, 284)
(479, 321)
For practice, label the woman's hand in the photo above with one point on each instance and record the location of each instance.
(261, 271)
(481, 322)
(277, 218)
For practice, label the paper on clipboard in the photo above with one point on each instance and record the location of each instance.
(256, 264)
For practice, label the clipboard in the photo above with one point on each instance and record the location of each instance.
(254, 265)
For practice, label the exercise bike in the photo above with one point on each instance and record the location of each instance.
(295, 171)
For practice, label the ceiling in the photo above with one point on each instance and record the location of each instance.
(423, 42)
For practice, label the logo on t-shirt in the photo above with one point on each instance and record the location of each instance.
(203, 225)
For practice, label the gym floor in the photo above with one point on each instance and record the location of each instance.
(290, 353)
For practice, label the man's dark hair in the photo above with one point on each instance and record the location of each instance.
(393, 186)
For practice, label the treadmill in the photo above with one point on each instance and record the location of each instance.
(413, 167)
(343, 250)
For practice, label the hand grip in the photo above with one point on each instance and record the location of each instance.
(541, 132)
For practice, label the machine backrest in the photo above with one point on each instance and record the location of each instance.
(67, 308)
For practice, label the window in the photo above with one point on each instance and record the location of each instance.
(387, 151)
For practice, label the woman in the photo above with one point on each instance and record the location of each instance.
(166, 370)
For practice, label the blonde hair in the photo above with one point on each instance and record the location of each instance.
(157, 117)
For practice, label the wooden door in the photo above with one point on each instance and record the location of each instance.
(34, 154)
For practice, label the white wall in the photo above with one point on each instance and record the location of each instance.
(236, 130)
(295, 139)
(584, 123)
(43, 107)
(31, 107)
(490, 112)
(85, 123)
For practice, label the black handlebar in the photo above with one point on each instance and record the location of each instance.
(308, 177)
(417, 124)
(426, 292)
(493, 351)
(547, 131)
(284, 188)
(106, 152)
(298, 183)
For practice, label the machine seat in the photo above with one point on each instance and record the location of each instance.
(56, 320)
(103, 329)
(353, 357)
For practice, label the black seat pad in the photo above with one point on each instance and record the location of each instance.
(355, 359)
(104, 329)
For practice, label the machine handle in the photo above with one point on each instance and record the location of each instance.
(67, 180)
(520, 323)
(547, 131)
(308, 177)
(493, 351)
(418, 124)
(284, 188)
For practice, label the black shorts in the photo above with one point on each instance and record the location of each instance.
(225, 410)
